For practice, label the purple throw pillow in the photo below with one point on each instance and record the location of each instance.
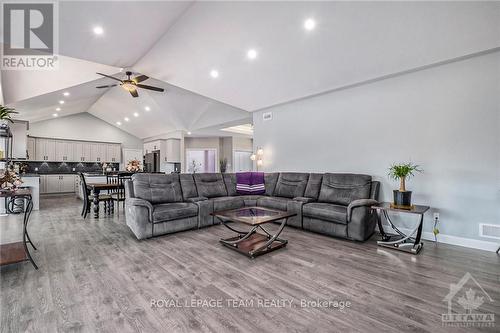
(250, 183)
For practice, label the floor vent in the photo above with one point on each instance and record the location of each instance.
(489, 230)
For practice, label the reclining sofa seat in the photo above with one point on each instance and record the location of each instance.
(332, 204)
(155, 205)
(341, 208)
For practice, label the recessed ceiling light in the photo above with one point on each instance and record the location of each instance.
(214, 73)
(119, 123)
(147, 108)
(58, 109)
(54, 115)
(126, 119)
(98, 30)
(136, 114)
(252, 54)
(61, 102)
(309, 24)
(66, 93)
(188, 133)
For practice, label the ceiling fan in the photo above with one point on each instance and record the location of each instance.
(131, 84)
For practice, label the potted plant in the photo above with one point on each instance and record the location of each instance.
(223, 165)
(402, 172)
(6, 116)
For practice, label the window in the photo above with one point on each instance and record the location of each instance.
(201, 160)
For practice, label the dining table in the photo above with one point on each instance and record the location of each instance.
(96, 189)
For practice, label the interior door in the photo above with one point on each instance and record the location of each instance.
(242, 161)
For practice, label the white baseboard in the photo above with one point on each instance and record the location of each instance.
(455, 240)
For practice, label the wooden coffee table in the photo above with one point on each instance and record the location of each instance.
(252, 243)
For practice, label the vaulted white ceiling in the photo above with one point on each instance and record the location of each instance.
(179, 43)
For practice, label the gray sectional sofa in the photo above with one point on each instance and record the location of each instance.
(335, 204)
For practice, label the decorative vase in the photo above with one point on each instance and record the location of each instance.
(402, 198)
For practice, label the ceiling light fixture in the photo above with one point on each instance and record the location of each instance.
(188, 133)
(252, 54)
(309, 24)
(126, 119)
(119, 123)
(147, 108)
(61, 102)
(66, 93)
(54, 115)
(136, 114)
(214, 73)
(98, 30)
(58, 109)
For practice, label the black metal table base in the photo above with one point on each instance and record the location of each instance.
(410, 243)
(253, 243)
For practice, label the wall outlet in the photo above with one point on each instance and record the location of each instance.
(436, 216)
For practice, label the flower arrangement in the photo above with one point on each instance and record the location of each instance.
(9, 179)
(133, 166)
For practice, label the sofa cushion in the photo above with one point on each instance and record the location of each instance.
(326, 211)
(230, 182)
(174, 211)
(273, 203)
(270, 180)
(210, 185)
(188, 186)
(291, 184)
(226, 203)
(313, 185)
(343, 188)
(157, 188)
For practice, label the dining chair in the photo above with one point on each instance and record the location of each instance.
(87, 197)
(118, 194)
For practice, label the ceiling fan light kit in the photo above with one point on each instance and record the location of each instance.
(131, 84)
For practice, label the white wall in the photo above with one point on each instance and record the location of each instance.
(445, 118)
(83, 126)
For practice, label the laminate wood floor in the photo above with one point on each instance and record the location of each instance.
(95, 276)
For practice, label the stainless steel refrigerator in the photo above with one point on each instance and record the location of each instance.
(152, 161)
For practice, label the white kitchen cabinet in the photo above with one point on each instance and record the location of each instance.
(152, 146)
(58, 183)
(81, 151)
(31, 142)
(97, 152)
(173, 147)
(45, 149)
(113, 153)
(43, 184)
(64, 151)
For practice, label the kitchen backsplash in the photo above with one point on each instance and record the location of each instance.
(65, 167)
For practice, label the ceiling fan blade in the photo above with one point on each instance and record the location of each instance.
(111, 77)
(143, 86)
(140, 78)
(134, 93)
(108, 86)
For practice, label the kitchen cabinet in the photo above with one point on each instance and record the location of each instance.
(64, 151)
(81, 152)
(31, 149)
(113, 153)
(57, 183)
(45, 149)
(149, 147)
(97, 152)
